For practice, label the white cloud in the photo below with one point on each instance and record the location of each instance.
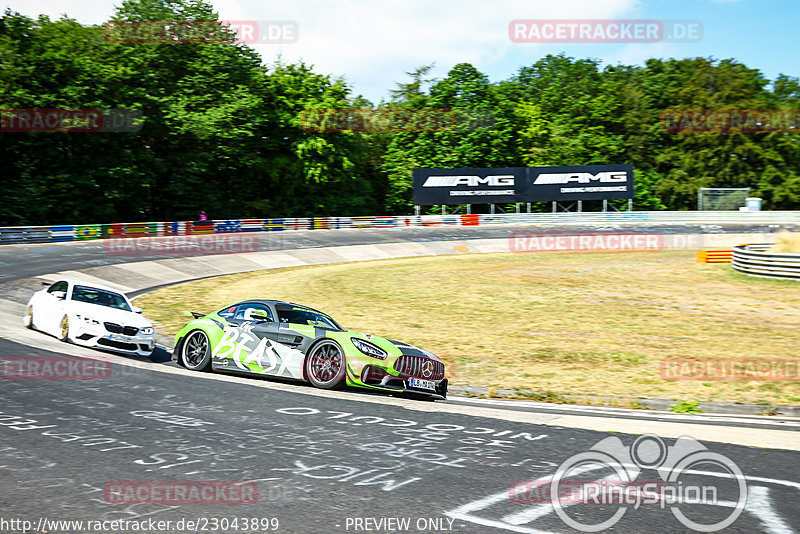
(374, 42)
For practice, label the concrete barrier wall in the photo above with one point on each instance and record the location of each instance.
(139, 276)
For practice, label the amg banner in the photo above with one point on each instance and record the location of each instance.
(468, 186)
(585, 182)
(522, 184)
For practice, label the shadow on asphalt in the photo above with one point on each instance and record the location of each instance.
(162, 356)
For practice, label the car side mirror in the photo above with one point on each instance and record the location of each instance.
(136, 309)
(60, 295)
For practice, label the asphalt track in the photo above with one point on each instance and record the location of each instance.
(23, 261)
(325, 462)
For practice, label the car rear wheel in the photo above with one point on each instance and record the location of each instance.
(63, 331)
(29, 318)
(196, 351)
(326, 365)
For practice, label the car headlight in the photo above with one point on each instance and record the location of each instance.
(147, 330)
(369, 349)
(88, 320)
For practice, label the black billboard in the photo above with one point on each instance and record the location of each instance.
(584, 182)
(468, 186)
(522, 184)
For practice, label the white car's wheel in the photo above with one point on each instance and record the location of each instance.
(28, 320)
(63, 330)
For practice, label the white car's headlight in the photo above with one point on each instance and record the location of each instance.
(88, 320)
(147, 330)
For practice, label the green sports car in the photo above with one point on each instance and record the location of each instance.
(274, 338)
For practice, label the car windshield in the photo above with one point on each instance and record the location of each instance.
(101, 297)
(299, 315)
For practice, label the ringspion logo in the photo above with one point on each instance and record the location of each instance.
(680, 485)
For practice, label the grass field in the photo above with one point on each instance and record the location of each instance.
(563, 323)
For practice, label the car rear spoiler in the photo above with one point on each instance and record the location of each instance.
(194, 314)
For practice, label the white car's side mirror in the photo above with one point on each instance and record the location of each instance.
(136, 309)
(60, 295)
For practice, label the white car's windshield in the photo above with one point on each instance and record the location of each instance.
(101, 297)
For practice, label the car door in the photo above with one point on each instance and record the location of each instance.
(256, 338)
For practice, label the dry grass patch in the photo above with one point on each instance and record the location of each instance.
(786, 242)
(590, 323)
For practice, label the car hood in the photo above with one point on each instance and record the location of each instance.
(113, 315)
(411, 350)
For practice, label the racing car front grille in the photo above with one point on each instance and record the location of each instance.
(114, 328)
(418, 367)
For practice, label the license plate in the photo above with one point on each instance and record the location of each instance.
(118, 337)
(423, 384)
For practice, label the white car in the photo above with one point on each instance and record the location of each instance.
(90, 315)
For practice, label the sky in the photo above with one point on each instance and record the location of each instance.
(374, 43)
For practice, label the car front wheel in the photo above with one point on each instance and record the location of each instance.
(29, 318)
(63, 330)
(196, 351)
(326, 364)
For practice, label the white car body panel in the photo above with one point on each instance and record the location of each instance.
(48, 312)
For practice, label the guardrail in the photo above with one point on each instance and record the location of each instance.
(55, 233)
(754, 260)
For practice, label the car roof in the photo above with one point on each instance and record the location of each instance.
(273, 302)
(91, 285)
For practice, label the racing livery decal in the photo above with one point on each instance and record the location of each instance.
(281, 339)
